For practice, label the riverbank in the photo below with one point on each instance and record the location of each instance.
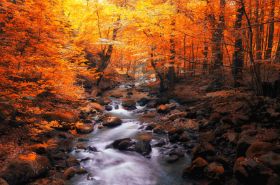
(227, 136)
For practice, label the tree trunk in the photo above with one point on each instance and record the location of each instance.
(238, 54)
(270, 31)
(171, 75)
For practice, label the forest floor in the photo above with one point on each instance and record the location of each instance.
(231, 134)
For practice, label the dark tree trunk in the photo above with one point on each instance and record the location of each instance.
(217, 37)
(238, 55)
(171, 75)
(158, 73)
(270, 31)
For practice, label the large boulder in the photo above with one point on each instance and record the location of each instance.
(84, 128)
(249, 171)
(143, 147)
(112, 121)
(129, 104)
(258, 148)
(25, 168)
(122, 144)
(3, 182)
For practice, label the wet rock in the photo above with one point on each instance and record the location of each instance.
(158, 130)
(104, 101)
(162, 109)
(268, 135)
(81, 171)
(258, 148)
(249, 171)
(92, 149)
(72, 161)
(84, 128)
(108, 107)
(112, 121)
(171, 158)
(204, 150)
(122, 144)
(272, 160)
(143, 101)
(143, 147)
(129, 104)
(159, 143)
(81, 146)
(25, 168)
(69, 173)
(196, 169)
(214, 171)
(144, 136)
(152, 104)
(117, 95)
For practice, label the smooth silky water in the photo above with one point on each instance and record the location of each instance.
(110, 166)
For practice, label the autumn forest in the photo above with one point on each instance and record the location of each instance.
(139, 92)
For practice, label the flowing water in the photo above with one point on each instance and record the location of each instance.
(110, 166)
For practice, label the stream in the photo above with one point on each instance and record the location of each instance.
(110, 166)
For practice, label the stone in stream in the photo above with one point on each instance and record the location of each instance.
(143, 147)
(143, 101)
(108, 107)
(129, 104)
(122, 144)
(112, 121)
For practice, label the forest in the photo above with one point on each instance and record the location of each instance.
(140, 92)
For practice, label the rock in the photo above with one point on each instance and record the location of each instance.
(48, 181)
(129, 104)
(272, 160)
(184, 137)
(208, 136)
(3, 182)
(171, 158)
(143, 101)
(117, 95)
(176, 115)
(158, 130)
(215, 117)
(92, 149)
(152, 104)
(191, 124)
(81, 171)
(196, 169)
(97, 107)
(112, 121)
(122, 144)
(214, 171)
(84, 128)
(144, 136)
(143, 147)
(248, 171)
(104, 101)
(243, 144)
(72, 161)
(231, 137)
(25, 168)
(108, 107)
(69, 173)
(162, 109)
(204, 150)
(159, 143)
(258, 148)
(81, 146)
